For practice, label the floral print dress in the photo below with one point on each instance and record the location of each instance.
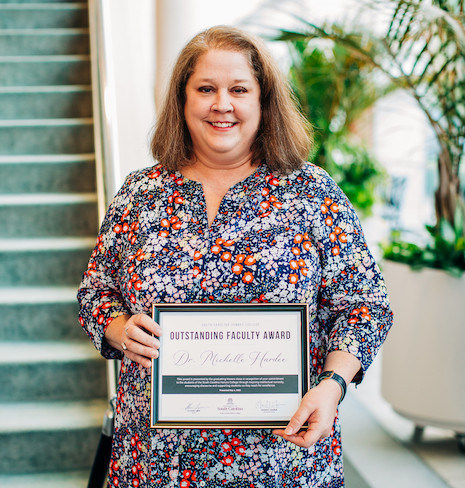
(275, 239)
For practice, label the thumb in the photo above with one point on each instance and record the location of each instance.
(298, 419)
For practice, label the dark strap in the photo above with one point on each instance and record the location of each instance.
(331, 375)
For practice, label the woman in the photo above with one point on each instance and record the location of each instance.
(232, 213)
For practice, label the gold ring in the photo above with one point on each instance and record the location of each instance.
(123, 345)
(126, 330)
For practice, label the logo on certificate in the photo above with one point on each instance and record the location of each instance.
(229, 407)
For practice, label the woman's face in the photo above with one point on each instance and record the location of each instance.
(222, 107)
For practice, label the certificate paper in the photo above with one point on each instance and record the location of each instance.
(229, 365)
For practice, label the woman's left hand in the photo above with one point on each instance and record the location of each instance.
(319, 408)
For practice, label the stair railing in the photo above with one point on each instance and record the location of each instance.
(104, 103)
(108, 181)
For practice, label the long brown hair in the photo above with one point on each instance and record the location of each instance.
(283, 139)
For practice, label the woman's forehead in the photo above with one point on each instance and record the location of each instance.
(215, 62)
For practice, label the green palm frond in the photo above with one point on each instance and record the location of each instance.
(422, 51)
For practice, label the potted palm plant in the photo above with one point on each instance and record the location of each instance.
(334, 89)
(422, 51)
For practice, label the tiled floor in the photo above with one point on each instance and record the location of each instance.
(378, 445)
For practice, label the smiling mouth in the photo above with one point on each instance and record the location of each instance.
(223, 125)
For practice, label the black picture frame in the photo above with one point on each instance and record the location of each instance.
(162, 382)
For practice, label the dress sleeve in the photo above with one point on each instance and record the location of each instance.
(99, 294)
(354, 307)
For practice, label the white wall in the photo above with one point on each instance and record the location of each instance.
(132, 34)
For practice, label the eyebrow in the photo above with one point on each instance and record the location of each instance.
(210, 80)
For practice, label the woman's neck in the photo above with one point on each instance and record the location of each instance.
(219, 175)
(217, 179)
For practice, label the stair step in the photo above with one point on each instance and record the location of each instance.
(43, 15)
(40, 322)
(67, 449)
(51, 371)
(17, 42)
(44, 295)
(45, 158)
(46, 136)
(47, 416)
(43, 262)
(45, 215)
(45, 102)
(40, 314)
(63, 479)
(42, 268)
(52, 244)
(48, 436)
(45, 70)
(47, 199)
(58, 174)
(39, 1)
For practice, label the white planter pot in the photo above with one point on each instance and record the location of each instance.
(423, 366)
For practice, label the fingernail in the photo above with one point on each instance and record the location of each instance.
(288, 431)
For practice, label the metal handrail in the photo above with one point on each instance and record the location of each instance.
(105, 128)
(104, 103)
(107, 175)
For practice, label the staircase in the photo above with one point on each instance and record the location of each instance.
(52, 382)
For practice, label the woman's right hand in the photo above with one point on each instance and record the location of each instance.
(132, 334)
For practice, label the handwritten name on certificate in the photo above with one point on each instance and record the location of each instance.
(243, 366)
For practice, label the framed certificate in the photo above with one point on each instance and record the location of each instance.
(229, 365)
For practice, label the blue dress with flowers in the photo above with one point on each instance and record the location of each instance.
(276, 239)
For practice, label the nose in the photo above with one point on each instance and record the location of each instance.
(222, 102)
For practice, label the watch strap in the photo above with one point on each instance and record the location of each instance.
(331, 375)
